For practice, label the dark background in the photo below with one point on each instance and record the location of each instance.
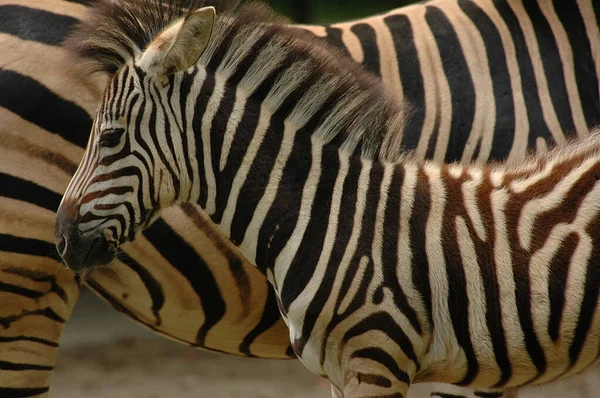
(327, 11)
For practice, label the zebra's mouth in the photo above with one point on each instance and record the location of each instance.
(82, 252)
(101, 252)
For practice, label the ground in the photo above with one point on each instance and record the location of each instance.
(105, 355)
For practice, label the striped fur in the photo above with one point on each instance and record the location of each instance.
(268, 133)
(44, 113)
(486, 79)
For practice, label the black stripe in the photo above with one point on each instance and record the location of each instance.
(138, 102)
(334, 38)
(409, 69)
(378, 355)
(444, 395)
(7, 365)
(345, 220)
(457, 73)
(127, 151)
(223, 115)
(162, 152)
(368, 40)
(363, 251)
(35, 25)
(82, 2)
(217, 58)
(504, 129)
(250, 115)
(591, 292)
(347, 209)
(150, 283)
(7, 392)
(240, 143)
(12, 339)
(21, 291)
(487, 268)
(537, 124)
(433, 139)
(194, 269)
(557, 282)
(256, 181)
(33, 247)
(553, 68)
(126, 87)
(184, 91)
(270, 316)
(201, 102)
(484, 394)
(47, 312)
(390, 252)
(583, 61)
(521, 276)
(374, 379)
(117, 305)
(458, 298)
(19, 189)
(417, 237)
(40, 276)
(304, 264)
(44, 108)
(299, 162)
(384, 322)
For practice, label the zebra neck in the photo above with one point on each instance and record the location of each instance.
(245, 138)
(287, 200)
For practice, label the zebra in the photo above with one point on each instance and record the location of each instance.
(44, 112)
(292, 153)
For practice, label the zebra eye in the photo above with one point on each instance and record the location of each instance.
(110, 138)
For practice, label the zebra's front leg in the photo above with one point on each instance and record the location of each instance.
(375, 373)
(335, 393)
(373, 386)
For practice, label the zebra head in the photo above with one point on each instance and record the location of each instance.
(136, 160)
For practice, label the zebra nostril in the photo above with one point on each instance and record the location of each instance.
(61, 245)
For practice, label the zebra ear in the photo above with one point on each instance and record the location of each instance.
(179, 46)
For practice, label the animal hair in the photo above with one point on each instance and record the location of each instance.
(117, 32)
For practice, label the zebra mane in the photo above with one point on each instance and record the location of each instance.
(362, 115)
(574, 150)
(115, 32)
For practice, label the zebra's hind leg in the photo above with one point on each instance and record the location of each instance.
(37, 296)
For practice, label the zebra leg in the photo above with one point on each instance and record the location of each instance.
(335, 393)
(360, 390)
(371, 382)
(37, 297)
(441, 390)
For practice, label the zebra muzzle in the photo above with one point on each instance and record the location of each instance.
(81, 251)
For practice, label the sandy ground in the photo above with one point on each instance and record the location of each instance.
(105, 355)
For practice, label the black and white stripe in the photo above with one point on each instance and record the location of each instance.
(293, 186)
(486, 79)
(45, 112)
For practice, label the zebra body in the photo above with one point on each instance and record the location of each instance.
(487, 79)
(388, 270)
(165, 278)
